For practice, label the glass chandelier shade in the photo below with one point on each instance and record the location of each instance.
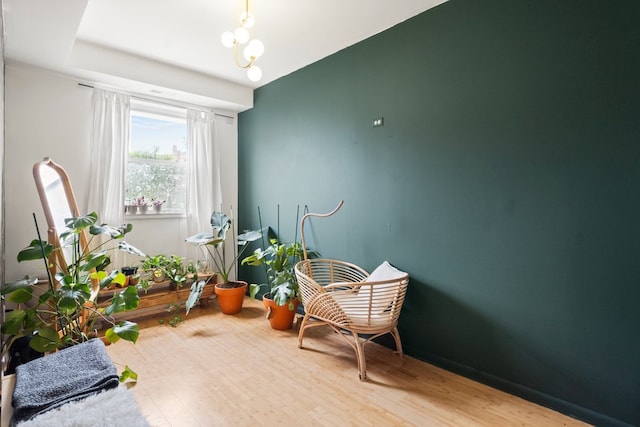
(253, 49)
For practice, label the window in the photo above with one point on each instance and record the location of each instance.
(156, 166)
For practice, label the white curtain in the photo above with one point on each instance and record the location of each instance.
(204, 190)
(109, 142)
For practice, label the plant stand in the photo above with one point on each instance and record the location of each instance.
(160, 294)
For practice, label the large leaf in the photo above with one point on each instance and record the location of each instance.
(249, 236)
(45, 340)
(20, 296)
(283, 293)
(13, 321)
(204, 239)
(123, 301)
(93, 260)
(34, 251)
(105, 280)
(25, 282)
(220, 223)
(117, 277)
(126, 330)
(254, 289)
(81, 222)
(71, 298)
(254, 259)
(194, 296)
(124, 246)
(113, 232)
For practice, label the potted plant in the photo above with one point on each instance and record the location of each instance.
(157, 204)
(141, 204)
(131, 274)
(281, 298)
(163, 267)
(153, 265)
(67, 312)
(175, 271)
(230, 294)
(137, 205)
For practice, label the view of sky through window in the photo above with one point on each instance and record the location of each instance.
(149, 134)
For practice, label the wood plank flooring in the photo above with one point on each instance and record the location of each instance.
(219, 370)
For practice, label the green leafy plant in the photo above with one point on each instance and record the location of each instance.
(176, 319)
(214, 243)
(171, 267)
(66, 312)
(278, 259)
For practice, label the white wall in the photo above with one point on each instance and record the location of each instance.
(49, 115)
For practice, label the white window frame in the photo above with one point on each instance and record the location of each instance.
(159, 111)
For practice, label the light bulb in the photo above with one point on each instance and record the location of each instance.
(242, 35)
(254, 50)
(247, 19)
(227, 39)
(254, 73)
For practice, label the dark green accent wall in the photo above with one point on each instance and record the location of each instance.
(505, 180)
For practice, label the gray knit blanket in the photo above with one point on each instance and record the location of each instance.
(65, 376)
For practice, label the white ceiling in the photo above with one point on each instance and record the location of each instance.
(172, 48)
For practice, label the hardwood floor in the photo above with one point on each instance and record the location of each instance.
(219, 370)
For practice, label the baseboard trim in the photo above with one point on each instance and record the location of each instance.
(567, 408)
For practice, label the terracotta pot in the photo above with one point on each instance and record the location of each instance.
(280, 317)
(231, 296)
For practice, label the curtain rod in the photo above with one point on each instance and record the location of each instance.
(176, 104)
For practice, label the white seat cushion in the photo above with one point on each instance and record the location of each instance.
(378, 297)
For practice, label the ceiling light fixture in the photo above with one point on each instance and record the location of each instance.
(252, 51)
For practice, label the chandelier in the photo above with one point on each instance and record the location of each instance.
(253, 49)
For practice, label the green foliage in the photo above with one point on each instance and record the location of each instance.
(278, 259)
(194, 296)
(214, 243)
(128, 374)
(172, 266)
(176, 319)
(66, 311)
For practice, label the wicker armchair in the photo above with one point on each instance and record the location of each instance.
(359, 306)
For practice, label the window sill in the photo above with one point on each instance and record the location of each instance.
(147, 216)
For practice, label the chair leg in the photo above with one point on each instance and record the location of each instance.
(396, 337)
(362, 363)
(303, 326)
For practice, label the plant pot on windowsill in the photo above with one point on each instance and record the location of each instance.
(157, 205)
(231, 296)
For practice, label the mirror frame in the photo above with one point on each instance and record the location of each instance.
(57, 256)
